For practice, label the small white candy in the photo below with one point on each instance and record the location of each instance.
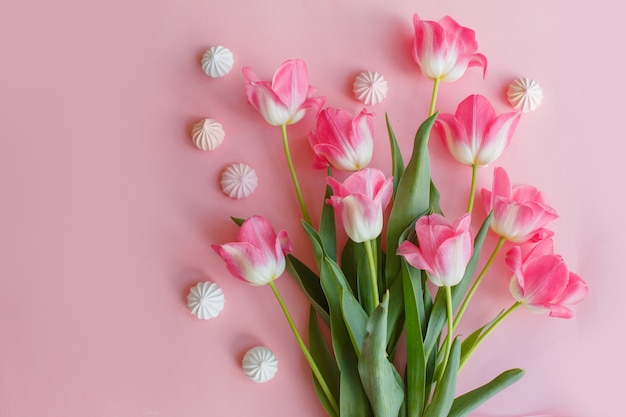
(207, 134)
(217, 61)
(205, 300)
(370, 87)
(260, 364)
(239, 181)
(524, 94)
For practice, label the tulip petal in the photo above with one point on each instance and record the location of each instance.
(265, 101)
(575, 291)
(413, 256)
(246, 262)
(544, 280)
(455, 138)
(497, 137)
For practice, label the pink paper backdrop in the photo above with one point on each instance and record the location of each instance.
(108, 211)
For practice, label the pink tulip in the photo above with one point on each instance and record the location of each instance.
(343, 141)
(283, 101)
(519, 212)
(542, 282)
(444, 248)
(359, 202)
(444, 49)
(258, 255)
(474, 135)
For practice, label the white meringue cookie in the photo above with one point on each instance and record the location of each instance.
(205, 300)
(370, 87)
(217, 61)
(239, 181)
(260, 364)
(207, 134)
(524, 94)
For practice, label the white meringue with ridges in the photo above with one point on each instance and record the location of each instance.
(217, 61)
(205, 300)
(260, 364)
(370, 87)
(524, 94)
(239, 181)
(207, 134)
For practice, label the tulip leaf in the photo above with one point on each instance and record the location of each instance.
(438, 315)
(355, 318)
(412, 196)
(327, 225)
(416, 360)
(325, 362)
(395, 319)
(466, 403)
(468, 345)
(443, 397)
(238, 221)
(310, 284)
(397, 164)
(380, 379)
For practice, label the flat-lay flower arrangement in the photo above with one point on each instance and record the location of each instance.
(418, 278)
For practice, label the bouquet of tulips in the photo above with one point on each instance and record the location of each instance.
(419, 278)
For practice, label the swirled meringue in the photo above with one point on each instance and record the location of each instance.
(217, 61)
(370, 87)
(207, 134)
(524, 94)
(259, 364)
(239, 181)
(205, 300)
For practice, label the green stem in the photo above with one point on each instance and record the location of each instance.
(488, 331)
(433, 98)
(470, 204)
(482, 274)
(373, 271)
(446, 357)
(307, 354)
(294, 178)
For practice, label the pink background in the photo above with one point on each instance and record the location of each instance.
(108, 210)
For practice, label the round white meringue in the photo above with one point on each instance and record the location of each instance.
(207, 134)
(205, 300)
(239, 181)
(217, 61)
(260, 364)
(524, 94)
(370, 87)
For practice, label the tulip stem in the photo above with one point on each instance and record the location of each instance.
(470, 204)
(316, 372)
(446, 356)
(482, 274)
(373, 271)
(433, 98)
(294, 178)
(487, 331)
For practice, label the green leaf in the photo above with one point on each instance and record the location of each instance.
(416, 360)
(327, 225)
(470, 341)
(316, 243)
(470, 401)
(238, 221)
(438, 315)
(443, 396)
(379, 377)
(395, 320)
(325, 363)
(310, 284)
(397, 165)
(434, 199)
(355, 318)
(412, 196)
(352, 263)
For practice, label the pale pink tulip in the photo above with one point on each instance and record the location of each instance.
(258, 255)
(444, 248)
(542, 282)
(359, 202)
(519, 212)
(343, 141)
(283, 101)
(474, 135)
(444, 50)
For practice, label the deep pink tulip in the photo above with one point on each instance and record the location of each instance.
(519, 212)
(444, 248)
(258, 255)
(444, 49)
(359, 202)
(542, 282)
(283, 101)
(474, 135)
(343, 141)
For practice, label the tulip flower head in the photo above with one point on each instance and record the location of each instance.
(359, 202)
(474, 135)
(258, 255)
(444, 248)
(519, 212)
(283, 101)
(542, 282)
(444, 50)
(343, 141)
